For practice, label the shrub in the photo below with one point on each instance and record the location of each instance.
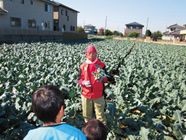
(133, 34)
(148, 33)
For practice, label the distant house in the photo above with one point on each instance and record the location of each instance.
(90, 29)
(134, 27)
(172, 32)
(183, 33)
(37, 15)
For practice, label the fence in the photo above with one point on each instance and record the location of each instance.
(26, 35)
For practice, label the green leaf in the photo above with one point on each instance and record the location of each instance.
(183, 106)
(111, 107)
(178, 116)
(31, 115)
(4, 122)
(168, 138)
(144, 133)
(72, 94)
(131, 137)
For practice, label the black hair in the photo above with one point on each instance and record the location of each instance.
(95, 130)
(47, 102)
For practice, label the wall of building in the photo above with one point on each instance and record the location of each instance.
(128, 31)
(72, 15)
(25, 35)
(68, 36)
(26, 11)
(167, 37)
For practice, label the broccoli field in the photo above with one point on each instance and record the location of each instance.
(145, 95)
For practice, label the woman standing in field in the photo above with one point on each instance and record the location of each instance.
(92, 89)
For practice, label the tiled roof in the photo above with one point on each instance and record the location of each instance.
(59, 4)
(3, 11)
(172, 33)
(89, 25)
(175, 33)
(50, 1)
(175, 26)
(135, 24)
(166, 33)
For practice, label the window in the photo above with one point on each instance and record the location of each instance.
(31, 23)
(12, 0)
(22, 1)
(47, 7)
(138, 27)
(15, 22)
(67, 18)
(66, 13)
(72, 28)
(31, 2)
(64, 27)
(62, 12)
(48, 24)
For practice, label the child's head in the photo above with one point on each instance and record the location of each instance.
(95, 130)
(47, 102)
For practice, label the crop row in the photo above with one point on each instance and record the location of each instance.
(146, 100)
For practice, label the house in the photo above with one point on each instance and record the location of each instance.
(183, 33)
(134, 27)
(65, 18)
(90, 29)
(37, 15)
(173, 31)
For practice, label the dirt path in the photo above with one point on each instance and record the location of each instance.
(168, 42)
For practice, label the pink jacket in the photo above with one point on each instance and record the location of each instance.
(96, 91)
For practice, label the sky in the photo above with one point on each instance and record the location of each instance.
(155, 15)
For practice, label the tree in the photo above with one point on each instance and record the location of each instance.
(116, 33)
(158, 34)
(148, 33)
(108, 32)
(80, 29)
(133, 34)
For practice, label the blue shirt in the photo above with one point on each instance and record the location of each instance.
(55, 132)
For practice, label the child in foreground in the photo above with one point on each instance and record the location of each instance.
(48, 105)
(95, 130)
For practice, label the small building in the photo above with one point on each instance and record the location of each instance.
(172, 32)
(90, 29)
(134, 27)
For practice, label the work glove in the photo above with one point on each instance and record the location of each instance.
(100, 80)
(86, 83)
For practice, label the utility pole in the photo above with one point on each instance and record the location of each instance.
(147, 23)
(106, 23)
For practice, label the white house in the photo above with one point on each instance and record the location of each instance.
(172, 32)
(90, 29)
